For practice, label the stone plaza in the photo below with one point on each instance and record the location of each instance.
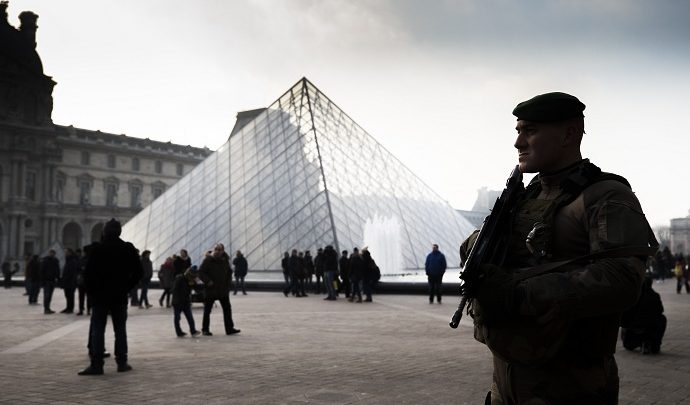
(396, 350)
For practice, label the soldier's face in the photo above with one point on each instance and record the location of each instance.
(540, 146)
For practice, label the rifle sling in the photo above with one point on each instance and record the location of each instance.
(604, 254)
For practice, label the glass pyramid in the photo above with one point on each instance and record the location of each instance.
(301, 175)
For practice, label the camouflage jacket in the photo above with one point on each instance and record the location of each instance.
(559, 345)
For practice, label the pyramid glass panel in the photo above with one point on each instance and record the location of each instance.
(301, 175)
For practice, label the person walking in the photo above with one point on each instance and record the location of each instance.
(435, 266)
(182, 301)
(112, 270)
(147, 268)
(50, 274)
(241, 268)
(216, 274)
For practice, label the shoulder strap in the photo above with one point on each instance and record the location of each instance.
(626, 251)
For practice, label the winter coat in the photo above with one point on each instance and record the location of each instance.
(435, 264)
(181, 291)
(216, 274)
(241, 266)
(329, 259)
(147, 271)
(112, 270)
(50, 270)
(180, 265)
(70, 272)
(356, 267)
(165, 275)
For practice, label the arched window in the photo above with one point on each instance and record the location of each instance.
(71, 236)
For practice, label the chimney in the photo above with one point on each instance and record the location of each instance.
(28, 27)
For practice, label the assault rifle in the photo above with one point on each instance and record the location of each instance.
(491, 243)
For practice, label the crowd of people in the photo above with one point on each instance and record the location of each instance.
(354, 275)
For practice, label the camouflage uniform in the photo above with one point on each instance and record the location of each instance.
(558, 346)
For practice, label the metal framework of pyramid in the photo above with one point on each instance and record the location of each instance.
(300, 175)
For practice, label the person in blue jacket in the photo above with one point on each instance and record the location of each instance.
(435, 267)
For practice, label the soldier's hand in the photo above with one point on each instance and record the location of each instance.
(496, 293)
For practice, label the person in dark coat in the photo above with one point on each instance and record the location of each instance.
(284, 263)
(216, 274)
(112, 270)
(241, 267)
(84, 300)
(147, 268)
(644, 324)
(356, 274)
(181, 263)
(344, 266)
(50, 274)
(33, 278)
(70, 271)
(182, 300)
(296, 266)
(166, 278)
(435, 267)
(329, 261)
(370, 274)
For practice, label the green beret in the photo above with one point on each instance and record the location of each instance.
(549, 107)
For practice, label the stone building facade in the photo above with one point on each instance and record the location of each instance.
(679, 235)
(59, 184)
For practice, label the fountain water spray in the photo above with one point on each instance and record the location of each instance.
(383, 237)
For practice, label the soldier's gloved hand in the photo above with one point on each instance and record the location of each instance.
(496, 293)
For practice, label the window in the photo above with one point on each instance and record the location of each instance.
(180, 169)
(159, 166)
(158, 189)
(84, 192)
(111, 161)
(60, 188)
(111, 195)
(31, 185)
(135, 164)
(135, 195)
(85, 158)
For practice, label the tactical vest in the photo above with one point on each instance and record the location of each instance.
(533, 219)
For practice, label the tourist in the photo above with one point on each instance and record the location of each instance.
(241, 268)
(216, 274)
(435, 266)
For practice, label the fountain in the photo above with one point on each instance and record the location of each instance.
(383, 237)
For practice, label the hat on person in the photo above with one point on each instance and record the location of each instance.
(549, 107)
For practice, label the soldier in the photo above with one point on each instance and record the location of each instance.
(552, 331)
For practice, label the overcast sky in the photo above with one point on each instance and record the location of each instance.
(433, 81)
